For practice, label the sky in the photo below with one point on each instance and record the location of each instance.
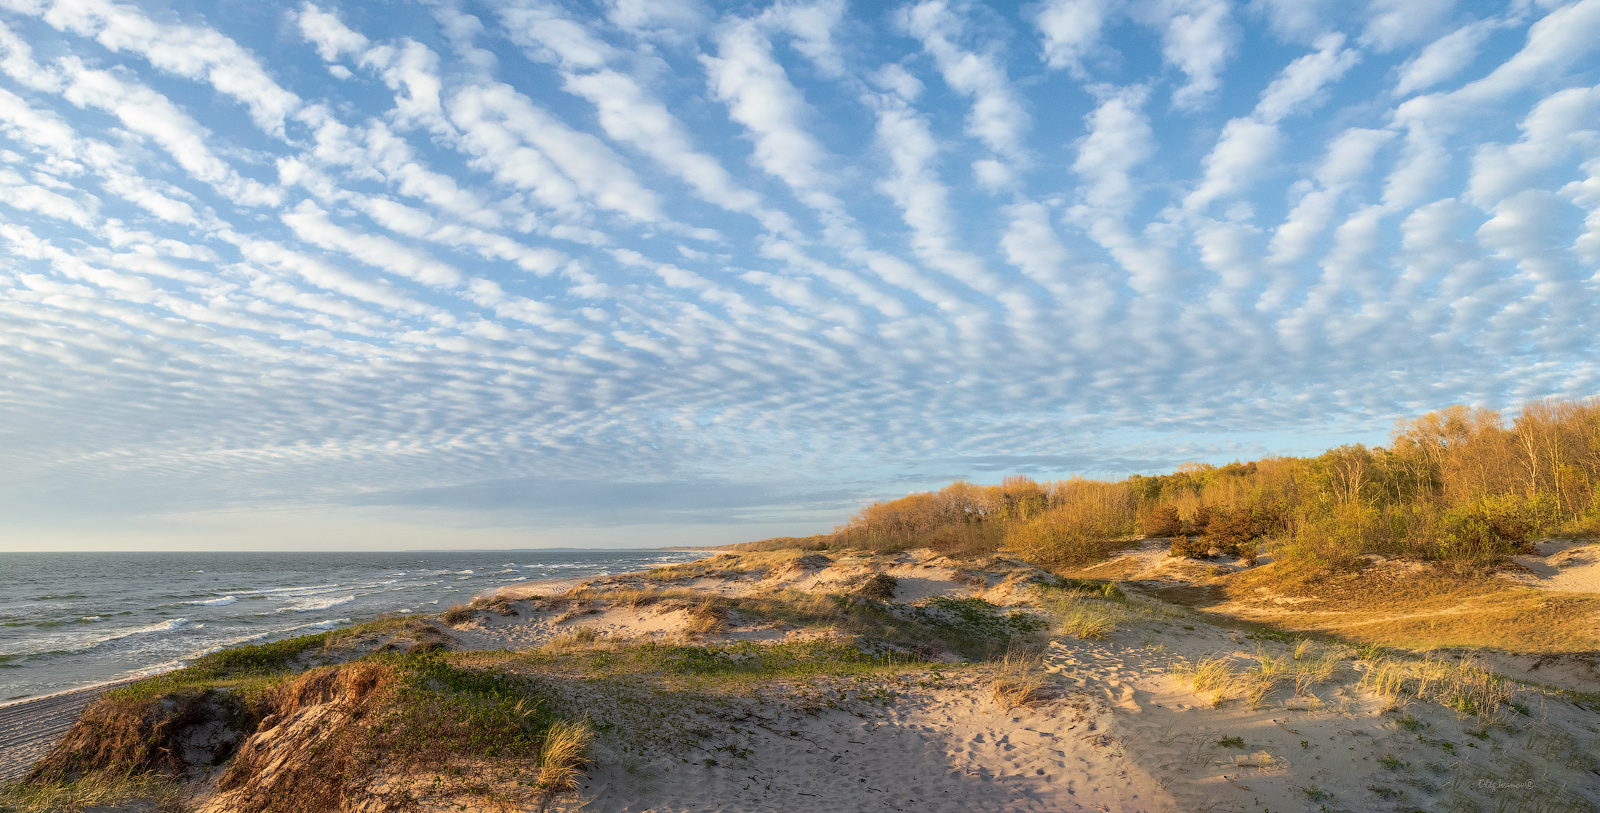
(518, 273)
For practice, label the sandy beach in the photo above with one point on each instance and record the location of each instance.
(1115, 701)
(30, 728)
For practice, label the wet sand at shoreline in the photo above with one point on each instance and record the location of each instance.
(29, 728)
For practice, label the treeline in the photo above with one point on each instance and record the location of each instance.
(1462, 486)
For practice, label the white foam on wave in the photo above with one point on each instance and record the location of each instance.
(324, 625)
(165, 626)
(317, 605)
(225, 644)
(92, 618)
(285, 591)
(214, 602)
(463, 572)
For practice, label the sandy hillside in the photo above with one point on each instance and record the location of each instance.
(1282, 723)
(912, 681)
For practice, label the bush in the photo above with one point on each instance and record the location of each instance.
(1192, 547)
(1233, 532)
(1065, 538)
(881, 587)
(1162, 522)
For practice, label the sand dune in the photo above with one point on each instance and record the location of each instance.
(1142, 704)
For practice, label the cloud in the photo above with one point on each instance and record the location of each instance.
(1070, 31)
(997, 118)
(1247, 146)
(1443, 58)
(1198, 37)
(1393, 23)
(581, 265)
(193, 52)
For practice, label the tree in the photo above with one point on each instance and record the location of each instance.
(1162, 522)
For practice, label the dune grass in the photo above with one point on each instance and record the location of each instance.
(1021, 681)
(1087, 609)
(109, 790)
(1466, 688)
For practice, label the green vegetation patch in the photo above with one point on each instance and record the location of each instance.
(713, 665)
(976, 617)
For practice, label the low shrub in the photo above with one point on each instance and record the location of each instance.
(1162, 522)
(880, 587)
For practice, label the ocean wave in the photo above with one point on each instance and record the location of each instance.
(463, 572)
(283, 591)
(90, 619)
(224, 645)
(213, 602)
(317, 605)
(165, 626)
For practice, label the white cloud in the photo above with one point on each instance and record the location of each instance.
(152, 115)
(1245, 152)
(1393, 23)
(1296, 20)
(1070, 31)
(631, 116)
(1443, 58)
(1561, 123)
(1248, 145)
(311, 223)
(759, 96)
(1119, 138)
(328, 33)
(1197, 37)
(524, 145)
(192, 52)
(1303, 80)
(997, 118)
(457, 265)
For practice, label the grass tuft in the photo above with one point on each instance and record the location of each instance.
(562, 759)
(106, 790)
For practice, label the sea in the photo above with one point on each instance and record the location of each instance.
(69, 620)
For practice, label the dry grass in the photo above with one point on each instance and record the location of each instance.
(458, 615)
(1262, 678)
(726, 566)
(499, 604)
(1256, 679)
(580, 638)
(1021, 680)
(562, 759)
(1420, 607)
(1216, 677)
(1082, 617)
(98, 791)
(633, 599)
(1466, 688)
(708, 617)
(880, 587)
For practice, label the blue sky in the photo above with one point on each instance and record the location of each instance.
(524, 273)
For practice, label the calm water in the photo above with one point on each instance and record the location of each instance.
(72, 619)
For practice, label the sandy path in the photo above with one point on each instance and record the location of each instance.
(939, 750)
(30, 728)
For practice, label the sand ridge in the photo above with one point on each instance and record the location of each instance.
(1127, 722)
